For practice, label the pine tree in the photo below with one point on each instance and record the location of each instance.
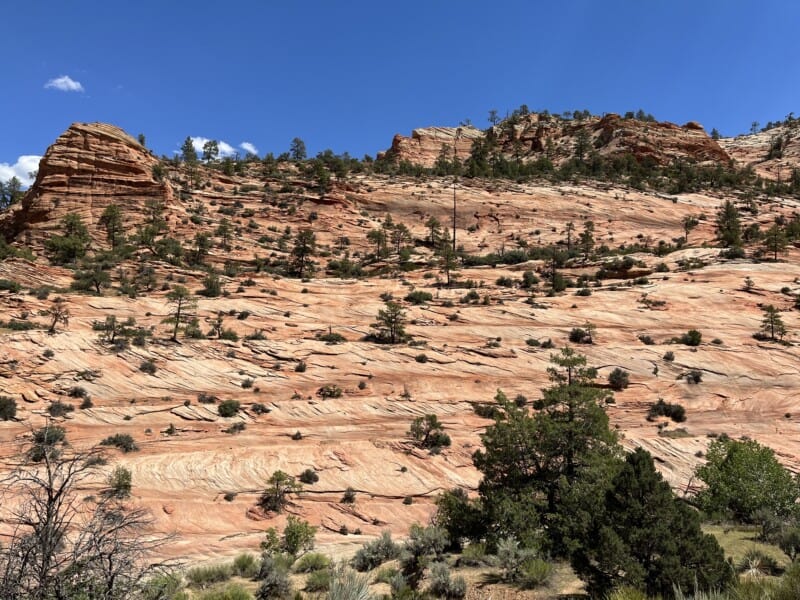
(772, 324)
(390, 324)
(305, 243)
(775, 240)
(182, 301)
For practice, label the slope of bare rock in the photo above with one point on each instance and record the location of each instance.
(201, 479)
(772, 154)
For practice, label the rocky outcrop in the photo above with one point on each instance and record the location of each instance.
(90, 166)
(773, 153)
(661, 142)
(533, 136)
(425, 144)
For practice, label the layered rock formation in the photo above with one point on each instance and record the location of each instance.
(773, 154)
(535, 135)
(425, 144)
(201, 477)
(90, 166)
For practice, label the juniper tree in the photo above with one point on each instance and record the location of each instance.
(644, 537)
(182, 302)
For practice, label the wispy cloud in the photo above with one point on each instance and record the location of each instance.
(65, 83)
(248, 147)
(21, 169)
(225, 149)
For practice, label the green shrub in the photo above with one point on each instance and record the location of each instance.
(332, 338)
(300, 367)
(229, 335)
(474, 555)
(691, 338)
(419, 297)
(202, 577)
(669, 356)
(628, 593)
(442, 585)
(232, 591)
(313, 561)
(676, 412)
(618, 379)
(11, 286)
(275, 584)
(318, 581)
(120, 482)
(421, 358)
(578, 335)
(245, 565)
(247, 383)
(164, 586)
(8, 408)
(511, 558)
(259, 408)
(385, 575)
(534, 573)
(330, 391)
(77, 392)
(646, 339)
(204, 398)
(228, 408)
(44, 440)
(309, 476)
(374, 553)
(59, 409)
(346, 584)
(123, 441)
(694, 377)
(16, 325)
(349, 496)
(148, 366)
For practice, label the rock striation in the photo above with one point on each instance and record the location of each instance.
(535, 135)
(426, 143)
(773, 154)
(89, 167)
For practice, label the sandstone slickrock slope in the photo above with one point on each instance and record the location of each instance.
(90, 166)
(201, 479)
(535, 135)
(773, 154)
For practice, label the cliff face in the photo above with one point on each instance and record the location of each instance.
(89, 167)
(535, 135)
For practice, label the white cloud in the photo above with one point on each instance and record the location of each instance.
(225, 149)
(248, 147)
(65, 83)
(20, 169)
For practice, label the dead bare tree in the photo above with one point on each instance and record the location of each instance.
(65, 545)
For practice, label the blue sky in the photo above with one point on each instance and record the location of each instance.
(348, 74)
